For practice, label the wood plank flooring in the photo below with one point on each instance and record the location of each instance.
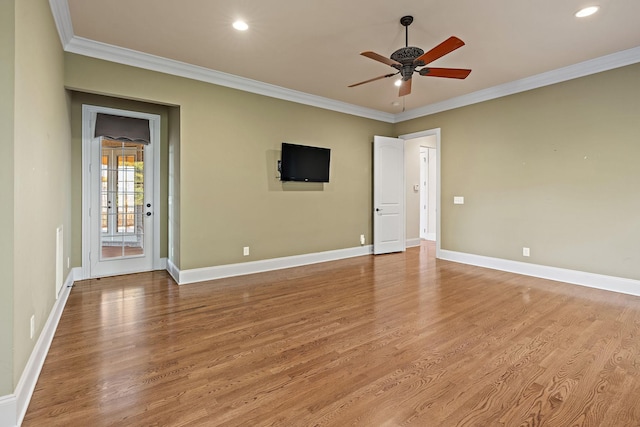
(400, 339)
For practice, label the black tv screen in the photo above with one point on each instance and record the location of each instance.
(304, 163)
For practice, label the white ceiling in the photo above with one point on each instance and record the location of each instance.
(313, 46)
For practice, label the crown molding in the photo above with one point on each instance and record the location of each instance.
(581, 69)
(62, 18)
(146, 61)
(94, 49)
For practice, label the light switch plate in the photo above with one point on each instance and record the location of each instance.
(458, 200)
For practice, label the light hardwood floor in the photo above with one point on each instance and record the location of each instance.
(400, 339)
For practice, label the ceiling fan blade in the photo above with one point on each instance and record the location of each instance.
(447, 46)
(405, 88)
(452, 73)
(373, 79)
(380, 58)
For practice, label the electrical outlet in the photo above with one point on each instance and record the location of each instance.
(33, 325)
(526, 252)
(362, 239)
(245, 251)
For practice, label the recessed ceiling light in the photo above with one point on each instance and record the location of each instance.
(587, 11)
(398, 82)
(240, 26)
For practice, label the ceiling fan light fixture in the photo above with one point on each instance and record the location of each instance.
(240, 25)
(407, 59)
(587, 11)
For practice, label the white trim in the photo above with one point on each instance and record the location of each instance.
(591, 280)
(62, 18)
(13, 407)
(82, 46)
(183, 277)
(412, 243)
(581, 69)
(173, 271)
(161, 264)
(8, 410)
(77, 274)
(431, 236)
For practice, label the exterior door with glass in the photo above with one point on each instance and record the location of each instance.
(120, 207)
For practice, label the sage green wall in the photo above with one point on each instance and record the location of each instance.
(174, 185)
(554, 169)
(7, 79)
(229, 196)
(77, 100)
(412, 197)
(42, 178)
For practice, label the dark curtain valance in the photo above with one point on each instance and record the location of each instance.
(123, 128)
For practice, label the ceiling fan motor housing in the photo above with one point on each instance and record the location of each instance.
(406, 59)
(406, 56)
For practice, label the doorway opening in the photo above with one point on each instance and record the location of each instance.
(423, 165)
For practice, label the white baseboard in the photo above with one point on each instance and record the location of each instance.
(173, 270)
(183, 277)
(591, 280)
(160, 264)
(411, 243)
(77, 274)
(13, 407)
(8, 411)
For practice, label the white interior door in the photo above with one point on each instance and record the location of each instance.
(388, 195)
(119, 200)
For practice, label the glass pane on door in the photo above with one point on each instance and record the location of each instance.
(121, 199)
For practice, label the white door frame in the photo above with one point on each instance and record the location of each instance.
(424, 192)
(88, 113)
(428, 182)
(436, 133)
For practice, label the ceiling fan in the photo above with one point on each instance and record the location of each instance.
(408, 58)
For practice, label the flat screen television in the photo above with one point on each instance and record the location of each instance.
(304, 163)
